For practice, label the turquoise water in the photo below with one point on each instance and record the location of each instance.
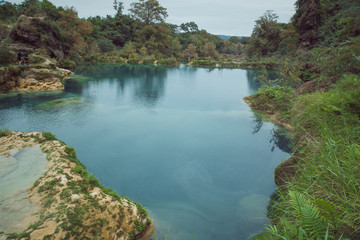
(179, 140)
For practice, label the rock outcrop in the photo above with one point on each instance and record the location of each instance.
(32, 78)
(71, 203)
(37, 32)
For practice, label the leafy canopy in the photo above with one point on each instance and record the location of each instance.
(149, 11)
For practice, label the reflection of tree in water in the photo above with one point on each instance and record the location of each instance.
(146, 82)
(279, 138)
(252, 77)
(258, 123)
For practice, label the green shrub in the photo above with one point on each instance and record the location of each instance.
(273, 99)
(34, 59)
(204, 63)
(105, 45)
(68, 64)
(4, 132)
(48, 136)
(148, 61)
(168, 61)
(132, 61)
(6, 56)
(324, 197)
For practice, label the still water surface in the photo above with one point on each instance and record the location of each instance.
(179, 140)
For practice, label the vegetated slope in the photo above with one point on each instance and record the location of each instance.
(319, 187)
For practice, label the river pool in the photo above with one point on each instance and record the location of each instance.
(179, 140)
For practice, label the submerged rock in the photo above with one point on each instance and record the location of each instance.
(60, 103)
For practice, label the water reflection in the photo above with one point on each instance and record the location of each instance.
(252, 78)
(279, 136)
(147, 83)
(198, 164)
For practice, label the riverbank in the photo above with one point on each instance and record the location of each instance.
(320, 183)
(66, 201)
(225, 63)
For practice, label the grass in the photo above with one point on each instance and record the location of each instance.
(323, 200)
(4, 132)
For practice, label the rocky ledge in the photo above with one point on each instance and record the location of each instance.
(32, 78)
(68, 202)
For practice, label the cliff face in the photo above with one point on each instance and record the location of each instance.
(71, 204)
(37, 32)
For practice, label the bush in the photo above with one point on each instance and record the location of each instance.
(105, 45)
(148, 61)
(48, 136)
(204, 63)
(323, 200)
(4, 132)
(273, 99)
(168, 61)
(36, 59)
(5, 55)
(132, 61)
(68, 64)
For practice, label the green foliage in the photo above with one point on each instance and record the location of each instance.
(105, 45)
(5, 55)
(36, 59)
(200, 62)
(4, 132)
(68, 64)
(48, 136)
(132, 61)
(148, 60)
(307, 20)
(168, 61)
(112, 193)
(139, 226)
(323, 199)
(274, 99)
(148, 11)
(8, 12)
(265, 38)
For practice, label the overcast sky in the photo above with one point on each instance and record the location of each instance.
(227, 17)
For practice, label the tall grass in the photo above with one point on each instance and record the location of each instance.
(323, 201)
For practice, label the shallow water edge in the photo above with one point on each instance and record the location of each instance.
(65, 201)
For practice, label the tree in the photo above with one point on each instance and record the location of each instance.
(265, 38)
(189, 27)
(210, 50)
(119, 7)
(307, 20)
(190, 51)
(148, 11)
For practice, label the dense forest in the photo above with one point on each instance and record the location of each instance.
(143, 36)
(317, 55)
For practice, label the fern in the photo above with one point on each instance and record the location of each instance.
(329, 211)
(309, 215)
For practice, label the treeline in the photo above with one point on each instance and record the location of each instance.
(143, 35)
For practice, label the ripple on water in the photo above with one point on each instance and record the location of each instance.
(17, 173)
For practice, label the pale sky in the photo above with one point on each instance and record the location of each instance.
(227, 17)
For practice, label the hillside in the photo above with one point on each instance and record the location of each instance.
(319, 97)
